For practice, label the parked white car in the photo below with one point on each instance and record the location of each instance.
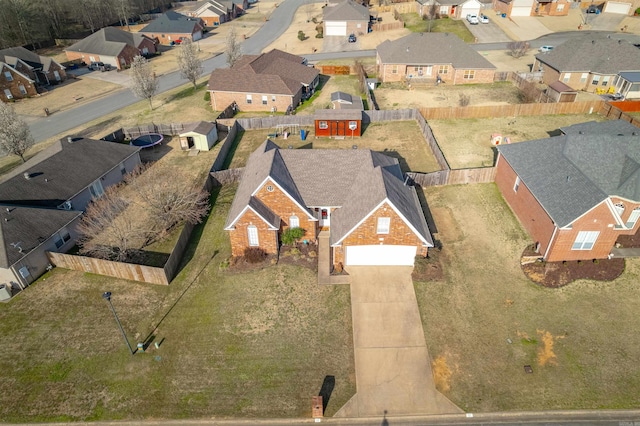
(484, 19)
(545, 49)
(473, 19)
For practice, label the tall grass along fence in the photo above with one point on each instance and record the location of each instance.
(232, 130)
(450, 113)
(226, 177)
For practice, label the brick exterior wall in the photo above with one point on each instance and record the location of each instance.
(51, 73)
(167, 38)
(127, 54)
(524, 205)
(556, 8)
(366, 234)
(574, 80)
(453, 76)
(550, 75)
(221, 100)
(14, 85)
(267, 239)
(357, 27)
(479, 76)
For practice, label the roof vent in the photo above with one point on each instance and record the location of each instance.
(619, 41)
(593, 42)
(568, 178)
(634, 133)
(620, 134)
(27, 175)
(407, 49)
(580, 132)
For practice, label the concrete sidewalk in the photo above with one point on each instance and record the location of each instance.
(393, 368)
(324, 263)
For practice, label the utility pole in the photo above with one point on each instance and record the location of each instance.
(107, 296)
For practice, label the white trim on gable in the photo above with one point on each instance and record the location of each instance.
(570, 224)
(269, 178)
(616, 216)
(2, 65)
(404, 219)
(231, 226)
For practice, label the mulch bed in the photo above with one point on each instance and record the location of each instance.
(304, 255)
(429, 268)
(559, 274)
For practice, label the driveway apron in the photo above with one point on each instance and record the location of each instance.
(393, 368)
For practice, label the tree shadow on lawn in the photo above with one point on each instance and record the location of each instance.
(404, 166)
(426, 210)
(154, 153)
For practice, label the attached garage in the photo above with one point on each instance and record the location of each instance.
(381, 255)
(469, 7)
(335, 28)
(617, 7)
(521, 8)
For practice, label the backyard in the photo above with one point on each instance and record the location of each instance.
(485, 321)
(252, 344)
(399, 139)
(415, 23)
(467, 142)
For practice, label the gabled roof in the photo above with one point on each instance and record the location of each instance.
(432, 49)
(108, 41)
(173, 23)
(572, 173)
(560, 87)
(11, 54)
(611, 127)
(347, 101)
(338, 114)
(593, 53)
(347, 10)
(15, 71)
(202, 127)
(356, 181)
(275, 72)
(341, 97)
(24, 228)
(61, 171)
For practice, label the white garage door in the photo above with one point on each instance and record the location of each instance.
(380, 255)
(111, 60)
(336, 28)
(521, 11)
(617, 7)
(471, 10)
(197, 36)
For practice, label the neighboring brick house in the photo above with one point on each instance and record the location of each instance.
(516, 8)
(422, 57)
(588, 63)
(211, 12)
(577, 193)
(111, 46)
(358, 195)
(346, 17)
(457, 9)
(273, 81)
(172, 26)
(42, 200)
(14, 84)
(32, 72)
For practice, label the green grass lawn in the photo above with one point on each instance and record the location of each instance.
(415, 23)
(399, 139)
(252, 344)
(579, 340)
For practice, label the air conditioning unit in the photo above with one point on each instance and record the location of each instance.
(67, 205)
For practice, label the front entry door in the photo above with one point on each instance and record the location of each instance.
(324, 217)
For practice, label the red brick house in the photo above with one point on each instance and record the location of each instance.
(172, 26)
(577, 193)
(358, 195)
(515, 8)
(111, 46)
(30, 71)
(423, 57)
(273, 81)
(345, 17)
(589, 63)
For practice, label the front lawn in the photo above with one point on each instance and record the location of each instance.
(252, 344)
(485, 321)
(415, 23)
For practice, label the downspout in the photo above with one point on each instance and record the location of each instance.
(553, 237)
(215, 107)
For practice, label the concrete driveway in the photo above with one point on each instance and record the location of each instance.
(393, 368)
(339, 44)
(605, 21)
(487, 33)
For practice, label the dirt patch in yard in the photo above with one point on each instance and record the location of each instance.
(467, 142)
(427, 269)
(441, 374)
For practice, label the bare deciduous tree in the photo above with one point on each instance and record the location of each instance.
(106, 232)
(430, 14)
(145, 83)
(518, 49)
(189, 62)
(464, 99)
(15, 137)
(233, 48)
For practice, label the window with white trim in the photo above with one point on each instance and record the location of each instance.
(595, 80)
(252, 233)
(273, 98)
(583, 77)
(585, 240)
(516, 185)
(22, 89)
(383, 225)
(443, 69)
(605, 80)
(323, 125)
(61, 237)
(8, 94)
(8, 75)
(566, 77)
(294, 222)
(249, 99)
(265, 99)
(96, 189)
(633, 218)
(469, 74)
(560, 7)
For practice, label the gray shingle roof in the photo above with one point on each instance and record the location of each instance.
(27, 228)
(32, 59)
(604, 127)
(202, 127)
(432, 49)
(338, 114)
(593, 53)
(275, 72)
(572, 173)
(356, 181)
(633, 77)
(108, 41)
(173, 23)
(347, 10)
(61, 171)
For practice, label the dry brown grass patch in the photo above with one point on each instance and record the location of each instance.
(441, 374)
(546, 355)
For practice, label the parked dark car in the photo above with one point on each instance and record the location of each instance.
(99, 66)
(352, 38)
(592, 9)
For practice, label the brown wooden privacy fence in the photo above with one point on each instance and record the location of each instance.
(612, 112)
(454, 177)
(402, 7)
(232, 131)
(334, 69)
(447, 113)
(272, 122)
(164, 129)
(226, 177)
(374, 116)
(432, 142)
(388, 26)
(127, 271)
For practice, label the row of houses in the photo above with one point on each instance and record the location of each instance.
(24, 73)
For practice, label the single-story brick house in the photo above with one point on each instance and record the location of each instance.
(457, 9)
(588, 63)
(575, 194)
(30, 72)
(172, 26)
(273, 81)
(43, 199)
(423, 57)
(111, 46)
(211, 12)
(346, 17)
(516, 8)
(358, 195)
